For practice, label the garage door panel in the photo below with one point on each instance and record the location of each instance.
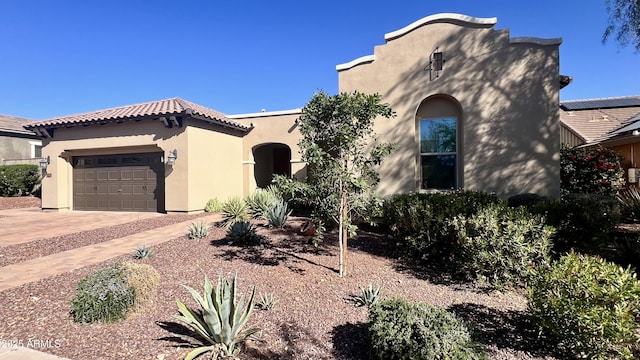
(141, 174)
(130, 187)
(126, 174)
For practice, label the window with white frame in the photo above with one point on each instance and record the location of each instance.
(36, 149)
(438, 153)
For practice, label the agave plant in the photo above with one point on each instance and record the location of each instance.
(368, 297)
(143, 252)
(220, 319)
(278, 214)
(198, 230)
(243, 233)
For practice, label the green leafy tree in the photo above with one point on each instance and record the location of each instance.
(340, 147)
(624, 22)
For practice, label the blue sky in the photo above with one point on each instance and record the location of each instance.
(67, 56)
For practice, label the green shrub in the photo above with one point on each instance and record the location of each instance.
(590, 305)
(19, 180)
(198, 230)
(213, 205)
(419, 222)
(220, 319)
(592, 170)
(260, 201)
(584, 222)
(278, 214)
(402, 330)
(243, 233)
(526, 200)
(103, 296)
(110, 293)
(233, 210)
(500, 245)
(290, 190)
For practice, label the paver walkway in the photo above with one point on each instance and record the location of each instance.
(46, 266)
(25, 225)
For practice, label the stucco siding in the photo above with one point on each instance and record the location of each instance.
(508, 97)
(269, 128)
(214, 162)
(12, 147)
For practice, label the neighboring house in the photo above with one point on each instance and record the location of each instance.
(475, 109)
(18, 145)
(608, 122)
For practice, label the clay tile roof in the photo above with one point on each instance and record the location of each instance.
(15, 124)
(593, 118)
(174, 106)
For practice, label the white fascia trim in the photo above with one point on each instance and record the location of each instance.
(440, 18)
(535, 40)
(248, 162)
(266, 113)
(358, 61)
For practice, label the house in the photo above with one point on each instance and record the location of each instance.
(608, 122)
(476, 109)
(18, 145)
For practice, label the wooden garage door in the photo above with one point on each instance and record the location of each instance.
(131, 182)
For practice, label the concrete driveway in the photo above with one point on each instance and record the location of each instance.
(24, 225)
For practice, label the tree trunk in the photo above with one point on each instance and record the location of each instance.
(345, 233)
(340, 227)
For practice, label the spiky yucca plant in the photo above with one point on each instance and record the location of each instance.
(267, 301)
(220, 318)
(630, 203)
(198, 230)
(213, 205)
(278, 214)
(368, 297)
(143, 252)
(233, 210)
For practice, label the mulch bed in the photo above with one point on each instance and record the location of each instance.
(314, 318)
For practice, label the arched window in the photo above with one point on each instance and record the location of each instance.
(439, 144)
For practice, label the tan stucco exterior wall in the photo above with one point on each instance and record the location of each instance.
(507, 91)
(269, 128)
(214, 164)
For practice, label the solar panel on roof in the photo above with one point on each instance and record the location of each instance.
(600, 103)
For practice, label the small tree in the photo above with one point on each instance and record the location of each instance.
(339, 145)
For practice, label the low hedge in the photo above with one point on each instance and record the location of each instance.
(18, 180)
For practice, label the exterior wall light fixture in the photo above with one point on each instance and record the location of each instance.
(436, 63)
(44, 162)
(172, 156)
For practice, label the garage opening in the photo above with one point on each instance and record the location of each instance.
(122, 182)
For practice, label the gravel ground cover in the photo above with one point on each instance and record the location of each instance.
(314, 318)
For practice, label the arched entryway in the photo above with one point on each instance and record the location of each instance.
(271, 159)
